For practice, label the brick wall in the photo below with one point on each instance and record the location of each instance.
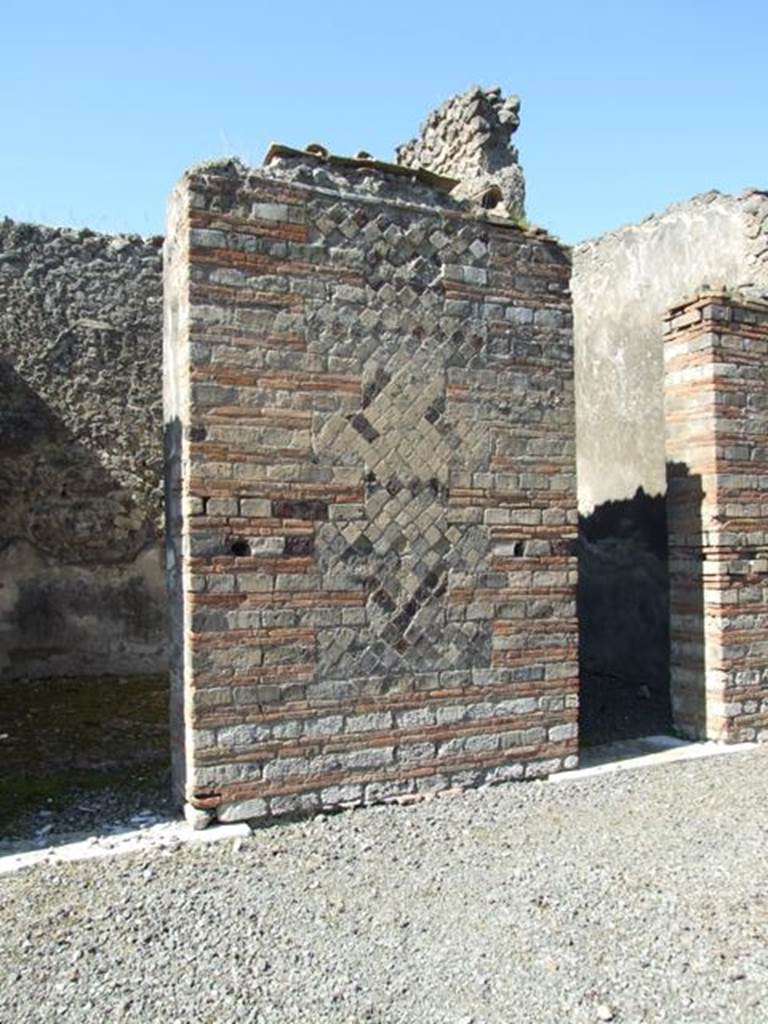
(716, 360)
(370, 443)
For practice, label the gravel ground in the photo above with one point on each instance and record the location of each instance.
(635, 897)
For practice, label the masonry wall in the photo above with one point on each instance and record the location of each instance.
(81, 578)
(623, 284)
(716, 401)
(370, 420)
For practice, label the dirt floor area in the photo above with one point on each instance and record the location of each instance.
(82, 751)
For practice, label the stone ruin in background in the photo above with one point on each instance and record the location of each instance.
(371, 488)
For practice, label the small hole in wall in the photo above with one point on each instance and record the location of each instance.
(240, 548)
(518, 549)
(491, 198)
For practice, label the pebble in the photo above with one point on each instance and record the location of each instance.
(642, 887)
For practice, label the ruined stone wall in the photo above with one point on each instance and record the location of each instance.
(716, 358)
(370, 440)
(468, 138)
(81, 584)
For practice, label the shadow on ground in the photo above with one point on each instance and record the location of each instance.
(78, 752)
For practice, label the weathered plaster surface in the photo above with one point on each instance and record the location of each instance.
(622, 284)
(59, 618)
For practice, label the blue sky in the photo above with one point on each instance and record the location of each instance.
(626, 106)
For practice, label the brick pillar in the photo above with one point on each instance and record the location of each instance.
(369, 405)
(716, 405)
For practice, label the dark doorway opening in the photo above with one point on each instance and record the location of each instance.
(623, 612)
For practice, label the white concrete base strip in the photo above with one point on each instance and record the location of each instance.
(168, 835)
(165, 835)
(645, 752)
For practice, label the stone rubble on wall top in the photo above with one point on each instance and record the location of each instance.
(468, 137)
(464, 148)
